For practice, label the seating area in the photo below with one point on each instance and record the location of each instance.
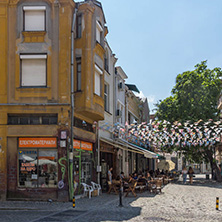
(131, 185)
(88, 190)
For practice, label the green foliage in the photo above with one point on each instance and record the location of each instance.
(194, 97)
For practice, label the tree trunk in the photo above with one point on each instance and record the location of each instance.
(214, 166)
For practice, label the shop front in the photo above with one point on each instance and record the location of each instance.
(108, 159)
(33, 168)
(83, 156)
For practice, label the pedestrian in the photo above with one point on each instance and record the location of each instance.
(191, 174)
(184, 175)
(110, 174)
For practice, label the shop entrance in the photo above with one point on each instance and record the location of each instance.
(106, 163)
(82, 164)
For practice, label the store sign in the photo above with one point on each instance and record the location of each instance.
(37, 142)
(77, 144)
(28, 167)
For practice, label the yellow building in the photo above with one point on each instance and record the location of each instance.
(35, 92)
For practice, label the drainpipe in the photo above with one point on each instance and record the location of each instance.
(98, 150)
(71, 187)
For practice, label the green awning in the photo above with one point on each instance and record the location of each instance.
(132, 87)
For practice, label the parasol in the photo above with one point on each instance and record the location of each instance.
(166, 165)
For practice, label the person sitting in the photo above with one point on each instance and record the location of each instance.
(148, 177)
(130, 178)
(135, 177)
(122, 177)
(162, 172)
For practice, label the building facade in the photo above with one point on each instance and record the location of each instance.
(35, 95)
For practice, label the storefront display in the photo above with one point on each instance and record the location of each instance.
(37, 163)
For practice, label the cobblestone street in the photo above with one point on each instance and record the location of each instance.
(178, 202)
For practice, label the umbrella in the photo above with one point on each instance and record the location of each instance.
(43, 161)
(166, 165)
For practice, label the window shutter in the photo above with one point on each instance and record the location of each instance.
(33, 72)
(34, 20)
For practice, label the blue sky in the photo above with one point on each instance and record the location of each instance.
(155, 40)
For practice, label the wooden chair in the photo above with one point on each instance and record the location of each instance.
(141, 185)
(157, 186)
(132, 187)
(112, 186)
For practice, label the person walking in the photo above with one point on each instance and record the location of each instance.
(191, 173)
(184, 175)
(110, 174)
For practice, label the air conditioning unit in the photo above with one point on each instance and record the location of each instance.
(120, 86)
(118, 113)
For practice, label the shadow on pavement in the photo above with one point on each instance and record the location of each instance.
(112, 211)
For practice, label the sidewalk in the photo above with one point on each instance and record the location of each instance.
(173, 205)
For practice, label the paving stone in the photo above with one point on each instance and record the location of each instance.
(177, 203)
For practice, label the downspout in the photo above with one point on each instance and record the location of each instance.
(71, 181)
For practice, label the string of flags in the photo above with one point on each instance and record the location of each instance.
(163, 133)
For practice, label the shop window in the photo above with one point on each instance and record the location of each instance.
(33, 70)
(34, 18)
(38, 168)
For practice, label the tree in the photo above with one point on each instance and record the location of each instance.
(194, 97)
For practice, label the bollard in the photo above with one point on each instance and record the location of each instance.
(217, 203)
(73, 202)
(120, 195)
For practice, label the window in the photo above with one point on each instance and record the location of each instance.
(97, 80)
(106, 97)
(99, 31)
(79, 75)
(33, 119)
(38, 168)
(86, 126)
(106, 62)
(79, 26)
(33, 70)
(34, 18)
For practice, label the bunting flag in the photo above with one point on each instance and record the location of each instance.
(163, 133)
